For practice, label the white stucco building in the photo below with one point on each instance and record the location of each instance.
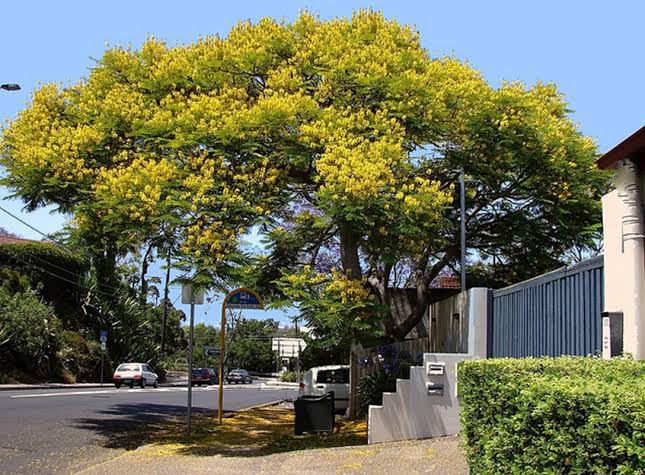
(624, 240)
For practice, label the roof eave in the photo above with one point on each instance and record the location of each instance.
(632, 147)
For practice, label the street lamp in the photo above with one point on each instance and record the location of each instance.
(10, 87)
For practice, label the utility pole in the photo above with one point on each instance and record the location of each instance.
(166, 303)
(189, 296)
(462, 193)
(191, 334)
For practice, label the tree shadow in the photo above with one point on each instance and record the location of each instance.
(256, 432)
(128, 426)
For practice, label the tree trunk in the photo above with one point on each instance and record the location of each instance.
(349, 252)
(105, 267)
(422, 284)
(143, 295)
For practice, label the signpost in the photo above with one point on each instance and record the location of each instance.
(241, 298)
(192, 296)
(103, 338)
(211, 351)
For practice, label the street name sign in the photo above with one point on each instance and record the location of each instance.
(244, 299)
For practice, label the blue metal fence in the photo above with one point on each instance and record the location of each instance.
(558, 313)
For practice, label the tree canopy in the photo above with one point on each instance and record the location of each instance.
(342, 139)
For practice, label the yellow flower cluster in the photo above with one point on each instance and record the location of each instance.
(348, 291)
(138, 188)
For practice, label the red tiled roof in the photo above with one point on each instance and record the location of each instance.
(448, 282)
(13, 240)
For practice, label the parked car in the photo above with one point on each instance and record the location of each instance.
(204, 376)
(239, 376)
(130, 374)
(322, 379)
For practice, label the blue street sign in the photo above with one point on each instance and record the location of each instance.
(103, 336)
(244, 298)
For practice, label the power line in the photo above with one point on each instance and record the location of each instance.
(34, 229)
(57, 242)
(65, 279)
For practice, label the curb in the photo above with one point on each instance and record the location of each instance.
(280, 385)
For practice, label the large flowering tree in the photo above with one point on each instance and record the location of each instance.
(343, 139)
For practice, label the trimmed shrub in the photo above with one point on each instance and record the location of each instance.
(81, 358)
(291, 376)
(28, 329)
(553, 415)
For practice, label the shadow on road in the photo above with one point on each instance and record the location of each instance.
(127, 426)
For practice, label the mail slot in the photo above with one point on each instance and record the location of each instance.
(434, 368)
(434, 389)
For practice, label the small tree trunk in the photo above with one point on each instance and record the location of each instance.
(143, 295)
(105, 268)
(349, 252)
(165, 306)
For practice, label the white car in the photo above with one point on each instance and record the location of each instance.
(320, 380)
(135, 373)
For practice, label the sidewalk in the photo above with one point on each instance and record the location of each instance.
(439, 456)
(261, 440)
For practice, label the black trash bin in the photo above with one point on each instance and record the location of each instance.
(315, 413)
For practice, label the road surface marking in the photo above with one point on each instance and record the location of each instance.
(136, 391)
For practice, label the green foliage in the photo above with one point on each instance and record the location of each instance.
(13, 281)
(338, 310)
(562, 415)
(291, 376)
(205, 335)
(54, 271)
(81, 358)
(250, 345)
(28, 329)
(314, 355)
(370, 389)
(134, 330)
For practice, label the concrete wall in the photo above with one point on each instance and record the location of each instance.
(624, 258)
(410, 412)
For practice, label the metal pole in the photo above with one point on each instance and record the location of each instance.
(278, 362)
(462, 193)
(102, 353)
(191, 335)
(222, 343)
(298, 357)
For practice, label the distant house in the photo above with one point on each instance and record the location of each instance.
(6, 239)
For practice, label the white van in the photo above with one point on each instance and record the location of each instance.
(322, 379)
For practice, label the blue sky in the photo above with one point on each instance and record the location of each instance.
(592, 49)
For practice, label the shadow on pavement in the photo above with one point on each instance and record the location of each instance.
(257, 432)
(127, 426)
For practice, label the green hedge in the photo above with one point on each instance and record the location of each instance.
(553, 415)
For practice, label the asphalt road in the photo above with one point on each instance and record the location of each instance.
(62, 431)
